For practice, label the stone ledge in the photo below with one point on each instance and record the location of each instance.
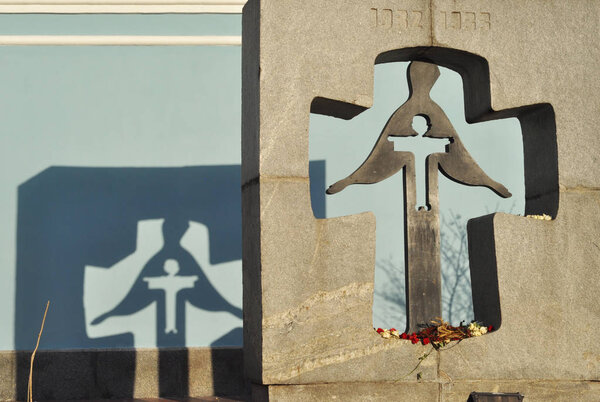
(533, 390)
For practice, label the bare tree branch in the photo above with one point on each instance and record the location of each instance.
(457, 304)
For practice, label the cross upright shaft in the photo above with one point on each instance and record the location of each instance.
(423, 282)
(421, 231)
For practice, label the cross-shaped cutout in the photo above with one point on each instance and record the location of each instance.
(405, 145)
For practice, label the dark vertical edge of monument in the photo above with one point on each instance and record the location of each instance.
(251, 261)
(484, 271)
(251, 72)
(251, 278)
(540, 151)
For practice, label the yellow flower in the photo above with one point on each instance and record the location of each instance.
(543, 217)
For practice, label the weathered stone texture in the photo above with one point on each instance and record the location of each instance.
(304, 325)
(422, 392)
(535, 391)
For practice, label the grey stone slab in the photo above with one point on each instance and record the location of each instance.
(308, 282)
(311, 286)
(548, 285)
(423, 392)
(535, 391)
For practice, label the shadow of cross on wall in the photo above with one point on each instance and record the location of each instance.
(175, 281)
(73, 217)
(422, 231)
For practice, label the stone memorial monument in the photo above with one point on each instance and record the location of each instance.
(308, 283)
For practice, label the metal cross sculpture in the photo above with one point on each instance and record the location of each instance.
(422, 228)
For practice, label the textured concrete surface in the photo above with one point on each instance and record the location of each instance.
(535, 391)
(308, 282)
(422, 392)
(428, 391)
(110, 374)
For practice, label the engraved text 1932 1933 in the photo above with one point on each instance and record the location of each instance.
(403, 20)
(398, 20)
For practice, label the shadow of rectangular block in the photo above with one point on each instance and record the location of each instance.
(125, 373)
(76, 374)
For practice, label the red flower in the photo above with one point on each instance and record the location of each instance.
(379, 330)
(425, 341)
(392, 329)
(404, 335)
(414, 340)
(490, 328)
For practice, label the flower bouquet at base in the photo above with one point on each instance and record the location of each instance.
(438, 333)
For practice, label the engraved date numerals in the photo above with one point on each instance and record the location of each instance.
(398, 20)
(466, 20)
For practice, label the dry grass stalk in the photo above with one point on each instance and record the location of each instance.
(30, 384)
(447, 332)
